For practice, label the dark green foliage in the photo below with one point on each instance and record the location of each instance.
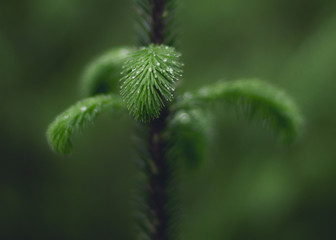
(188, 134)
(170, 132)
(75, 118)
(144, 22)
(149, 80)
(253, 97)
(171, 23)
(103, 74)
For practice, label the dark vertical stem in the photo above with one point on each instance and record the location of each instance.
(158, 180)
(157, 24)
(159, 172)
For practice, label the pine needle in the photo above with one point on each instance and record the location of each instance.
(253, 96)
(149, 80)
(103, 74)
(76, 117)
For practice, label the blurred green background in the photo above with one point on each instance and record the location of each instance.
(251, 187)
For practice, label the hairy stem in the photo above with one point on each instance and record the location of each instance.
(158, 180)
(154, 212)
(157, 24)
(159, 173)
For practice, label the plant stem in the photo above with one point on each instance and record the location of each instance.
(158, 180)
(157, 24)
(159, 172)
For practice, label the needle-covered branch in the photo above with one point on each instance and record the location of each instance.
(103, 73)
(148, 82)
(254, 97)
(76, 117)
(188, 134)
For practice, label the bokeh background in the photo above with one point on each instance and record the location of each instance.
(250, 187)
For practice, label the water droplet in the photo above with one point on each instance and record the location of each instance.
(158, 64)
(150, 69)
(184, 117)
(187, 96)
(133, 77)
(83, 108)
(165, 60)
(137, 72)
(204, 91)
(123, 52)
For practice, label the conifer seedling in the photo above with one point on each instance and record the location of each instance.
(141, 80)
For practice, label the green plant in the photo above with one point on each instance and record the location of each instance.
(172, 129)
